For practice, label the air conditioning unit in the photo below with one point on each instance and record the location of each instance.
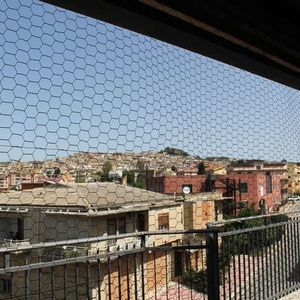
(112, 248)
(92, 252)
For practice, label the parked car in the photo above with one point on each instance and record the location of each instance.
(294, 198)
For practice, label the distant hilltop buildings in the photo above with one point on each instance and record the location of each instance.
(85, 167)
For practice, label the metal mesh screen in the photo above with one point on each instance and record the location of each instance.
(71, 83)
(103, 130)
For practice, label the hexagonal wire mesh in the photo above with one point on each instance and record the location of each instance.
(103, 131)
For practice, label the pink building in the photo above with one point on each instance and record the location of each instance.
(250, 184)
(175, 184)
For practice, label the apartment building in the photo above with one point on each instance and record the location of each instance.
(251, 183)
(175, 184)
(74, 211)
(15, 179)
(261, 181)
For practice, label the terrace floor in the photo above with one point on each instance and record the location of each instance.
(293, 296)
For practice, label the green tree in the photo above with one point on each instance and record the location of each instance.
(140, 184)
(130, 177)
(97, 176)
(80, 178)
(141, 166)
(201, 168)
(141, 176)
(234, 244)
(174, 151)
(48, 173)
(107, 167)
(57, 172)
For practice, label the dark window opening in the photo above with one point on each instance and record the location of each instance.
(159, 187)
(269, 187)
(20, 233)
(116, 226)
(244, 187)
(178, 263)
(111, 227)
(5, 285)
(141, 222)
(121, 225)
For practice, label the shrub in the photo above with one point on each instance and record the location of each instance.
(197, 280)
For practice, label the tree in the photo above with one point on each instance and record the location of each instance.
(141, 166)
(174, 151)
(107, 167)
(140, 184)
(97, 176)
(48, 173)
(130, 177)
(174, 169)
(201, 168)
(57, 172)
(80, 178)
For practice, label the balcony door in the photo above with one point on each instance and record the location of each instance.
(20, 232)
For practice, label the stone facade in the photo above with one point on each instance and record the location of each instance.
(294, 178)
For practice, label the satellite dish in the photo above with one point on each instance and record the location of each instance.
(186, 190)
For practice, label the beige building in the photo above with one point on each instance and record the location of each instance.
(293, 178)
(76, 211)
(3, 182)
(15, 179)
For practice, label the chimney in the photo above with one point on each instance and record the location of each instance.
(124, 180)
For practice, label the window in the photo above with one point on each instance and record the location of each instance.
(111, 226)
(244, 187)
(159, 187)
(163, 221)
(20, 233)
(116, 226)
(178, 263)
(121, 225)
(269, 187)
(141, 222)
(5, 285)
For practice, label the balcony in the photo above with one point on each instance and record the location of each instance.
(10, 243)
(202, 264)
(70, 269)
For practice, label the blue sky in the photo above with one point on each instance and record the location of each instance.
(70, 83)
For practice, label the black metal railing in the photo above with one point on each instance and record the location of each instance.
(229, 260)
(259, 257)
(164, 265)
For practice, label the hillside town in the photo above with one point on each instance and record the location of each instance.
(168, 171)
(125, 196)
(149, 150)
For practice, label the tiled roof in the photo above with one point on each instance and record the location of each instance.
(97, 194)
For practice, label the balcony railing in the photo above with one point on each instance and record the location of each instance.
(137, 270)
(236, 259)
(12, 243)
